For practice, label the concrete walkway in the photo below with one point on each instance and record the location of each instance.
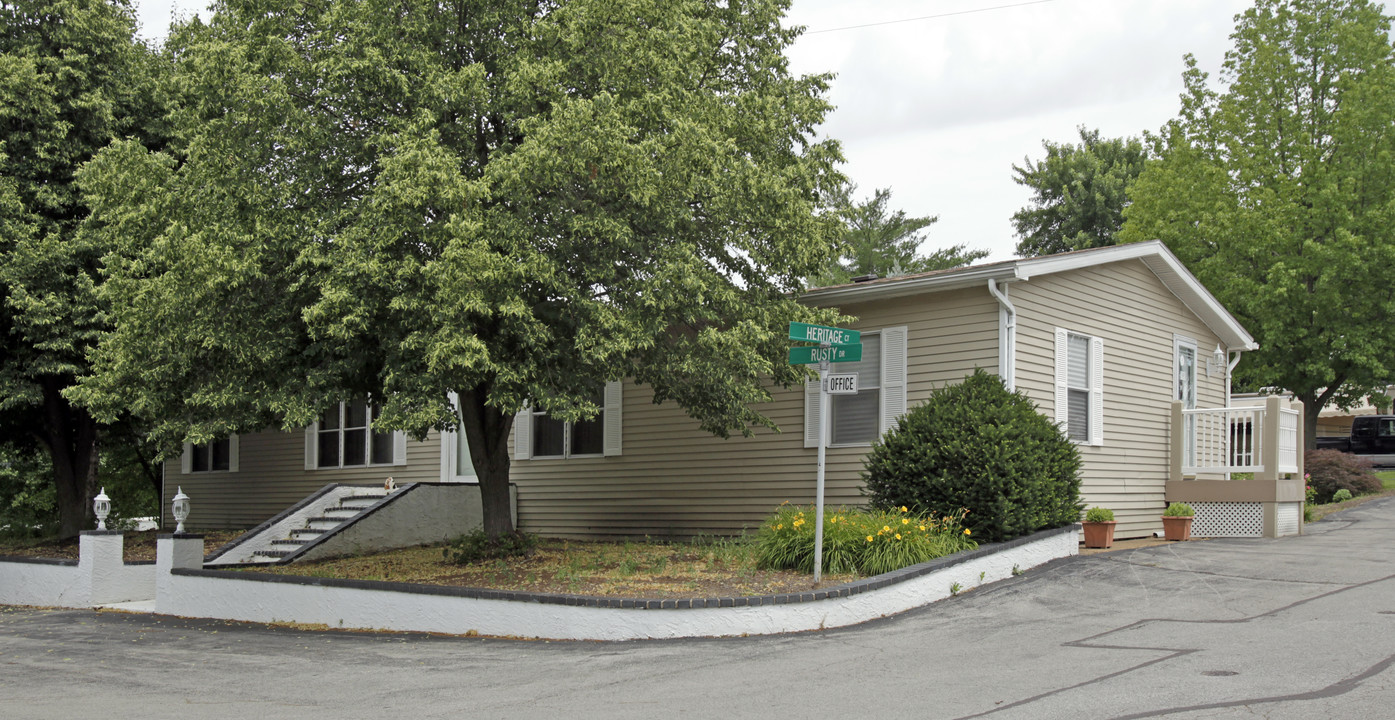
(1294, 628)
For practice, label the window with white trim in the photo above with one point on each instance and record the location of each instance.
(1080, 386)
(557, 438)
(538, 435)
(343, 436)
(856, 419)
(218, 455)
(881, 397)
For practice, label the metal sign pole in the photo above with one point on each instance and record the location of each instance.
(823, 442)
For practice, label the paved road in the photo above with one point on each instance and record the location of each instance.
(1294, 628)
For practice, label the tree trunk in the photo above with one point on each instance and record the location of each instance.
(487, 432)
(70, 435)
(1311, 407)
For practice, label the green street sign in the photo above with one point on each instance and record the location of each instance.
(823, 334)
(836, 353)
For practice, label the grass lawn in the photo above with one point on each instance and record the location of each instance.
(138, 546)
(1387, 478)
(707, 568)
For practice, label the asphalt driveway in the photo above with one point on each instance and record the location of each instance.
(1294, 628)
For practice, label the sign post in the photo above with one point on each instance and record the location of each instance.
(835, 345)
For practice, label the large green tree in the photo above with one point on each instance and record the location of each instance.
(515, 200)
(883, 242)
(1079, 192)
(1278, 191)
(72, 79)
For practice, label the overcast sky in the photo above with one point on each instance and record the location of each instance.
(937, 99)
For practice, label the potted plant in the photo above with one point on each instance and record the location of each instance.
(1177, 521)
(1099, 527)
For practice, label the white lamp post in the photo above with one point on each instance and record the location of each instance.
(102, 506)
(181, 509)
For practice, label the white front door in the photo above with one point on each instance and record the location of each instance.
(1186, 392)
(455, 455)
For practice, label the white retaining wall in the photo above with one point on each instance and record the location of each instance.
(226, 595)
(99, 577)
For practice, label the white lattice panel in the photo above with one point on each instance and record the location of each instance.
(1228, 519)
(1286, 518)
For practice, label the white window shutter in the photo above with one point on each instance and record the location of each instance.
(186, 461)
(614, 406)
(1062, 373)
(312, 436)
(893, 376)
(399, 447)
(523, 434)
(1096, 391)
(232, 452)
(811, 414)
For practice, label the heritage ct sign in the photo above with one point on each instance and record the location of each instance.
(842, 384)
(823, 334)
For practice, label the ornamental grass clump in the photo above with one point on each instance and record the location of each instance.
(858, 541)
(978, 446)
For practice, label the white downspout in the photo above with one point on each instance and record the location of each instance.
(1007, 336)
(1229, 370)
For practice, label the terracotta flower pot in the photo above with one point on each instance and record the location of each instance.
(1099, 534)
(1177, 527)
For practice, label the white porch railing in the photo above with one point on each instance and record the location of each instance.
(1290, 440)
(1221, 440)
(1215, 441)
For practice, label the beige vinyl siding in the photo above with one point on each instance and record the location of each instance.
(272, 477)
(1136, 316)
(675, 480)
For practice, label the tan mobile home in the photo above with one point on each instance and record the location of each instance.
(1105, 341)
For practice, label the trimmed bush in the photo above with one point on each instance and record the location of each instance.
(1342, 495)
(858, 541)
(473, 547)
(1179, 509)
(976, 446)
(1332, 470)
(1099, 514)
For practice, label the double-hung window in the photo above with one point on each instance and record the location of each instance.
(213, 456)
(1080, 386)
(344, 436)
(881, 393)
(539, 436)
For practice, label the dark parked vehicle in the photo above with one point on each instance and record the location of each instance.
(1372, 437)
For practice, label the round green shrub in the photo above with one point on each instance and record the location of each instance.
(1342, 495)
(1099, 514)
(1179, 509)
(1332, 470)
(975, 445)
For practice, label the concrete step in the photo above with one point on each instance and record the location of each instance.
(273, 553)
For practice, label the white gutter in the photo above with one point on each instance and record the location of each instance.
(897, 287)
(1007, 335)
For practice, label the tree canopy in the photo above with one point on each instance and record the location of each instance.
(72, 79)
(1278, 191)
(1079, 192)
(516, 201)
(884, 243)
